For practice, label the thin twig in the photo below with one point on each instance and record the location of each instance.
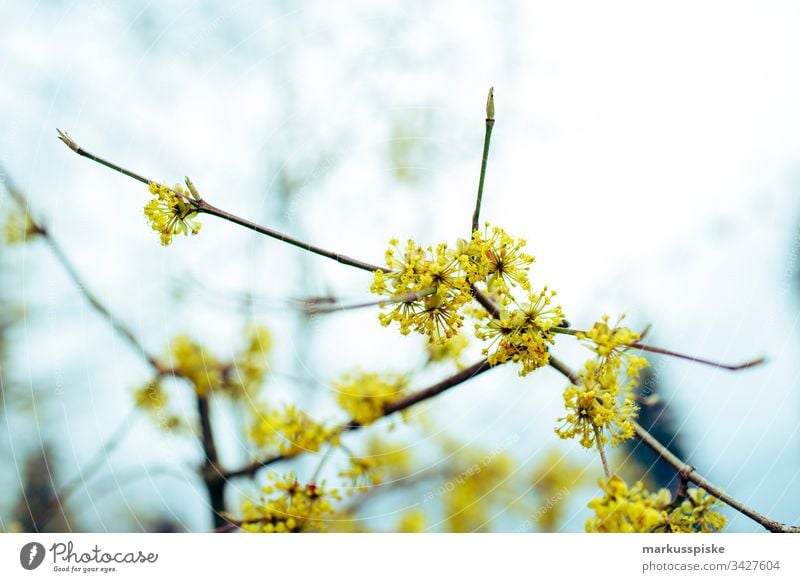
(204, 207)
(323, 305)
(484, 159)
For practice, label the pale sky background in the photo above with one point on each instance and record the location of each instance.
(649, 152)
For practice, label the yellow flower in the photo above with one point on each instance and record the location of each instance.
(521, 335)
(382, 461)
(152, 399)
(627, 510)
(412, 521)
(365, 395)
(612, 345)
(598, 403)
(554, 479)
(497, 258)
(290, 431)
(171, 212)
(193, 362)
(426, 289)
(450, 351)
(293, 508)
(696, 514)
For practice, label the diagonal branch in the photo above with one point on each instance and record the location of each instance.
(204, 207)
(687, 472)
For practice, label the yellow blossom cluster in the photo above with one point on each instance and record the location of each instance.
(365, 395)
(450, 351)
(498, 259)
(250, 367)
(624, 509)
(598, 405)
(290, 508)
(171, 212)
(521, 333)
(194, 363)
(412, 521)
(554, 479)
(602, 403)
(471, 495)
(239, 378)
(612, 346)
(20, 227)
(428, 287)
(190, 361)
(290, 431)
(152, 399)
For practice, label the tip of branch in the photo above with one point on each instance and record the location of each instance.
(64, 136)
(749, 364)
(490, 104)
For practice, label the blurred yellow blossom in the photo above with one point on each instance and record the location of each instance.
(365, 395)
(290, 431)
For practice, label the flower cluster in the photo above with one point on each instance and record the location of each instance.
(596, 406)
(382, 461)
(171, 212)
(241, 377)
(612, 346)
(522, 332)
(293, 508)
(152, 399)
(366, 395)
(498, 259)
(635, 510)
(290, 431)
(602, 403)
(428, 287)
(554, 479)
(192, 362)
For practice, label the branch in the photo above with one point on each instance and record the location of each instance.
(688, 473)
(665, 352)
(204, 207)
(486, 142)
(410, 400)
